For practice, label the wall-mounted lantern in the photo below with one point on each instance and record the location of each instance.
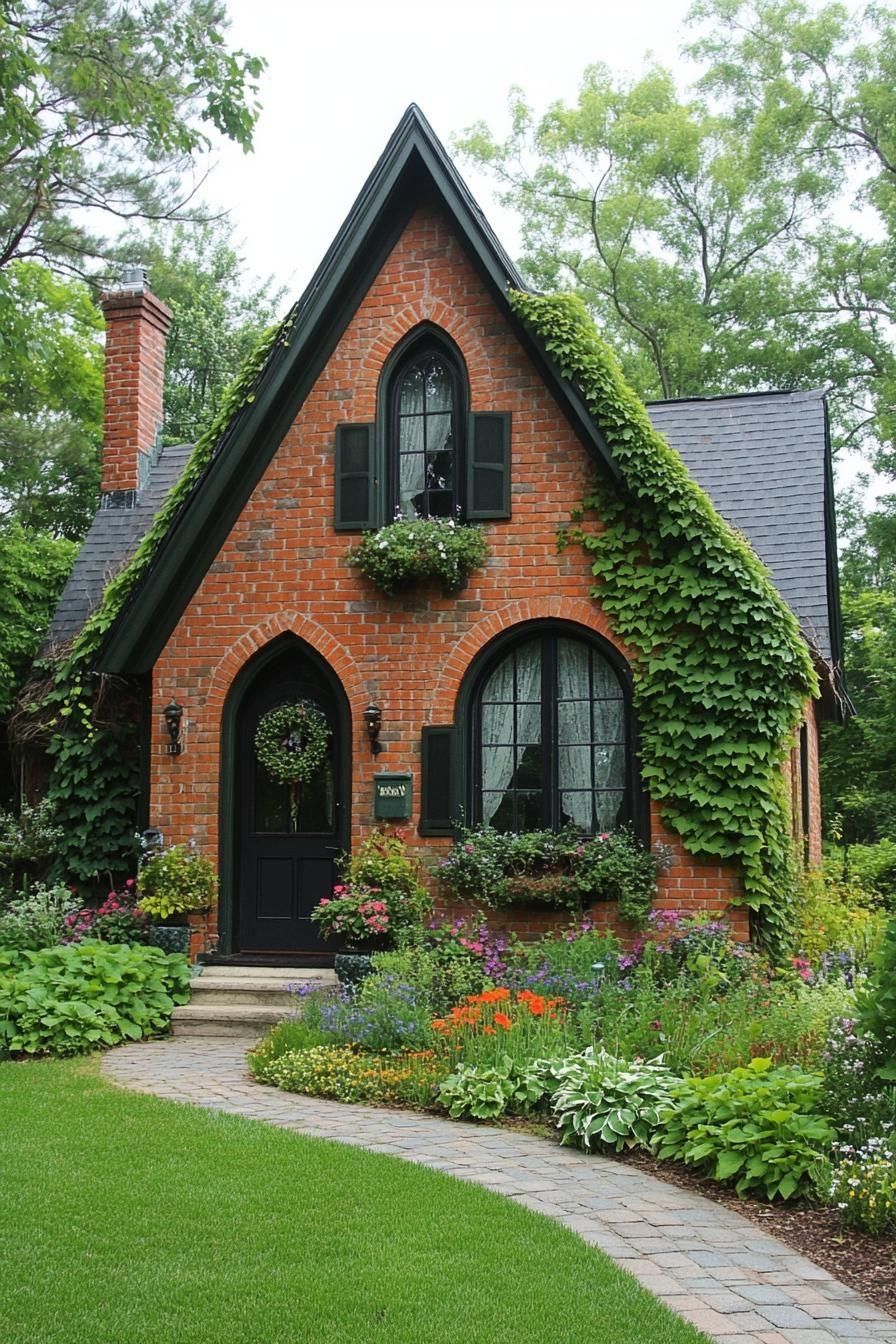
(173, 714)
(373, 720)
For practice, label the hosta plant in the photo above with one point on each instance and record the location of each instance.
(759, 1125)
(600, 1101)
(486, 1093)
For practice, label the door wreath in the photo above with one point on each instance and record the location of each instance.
(291, 744)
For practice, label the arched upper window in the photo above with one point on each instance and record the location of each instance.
(551, 737)
(427, 454)
(425, 435)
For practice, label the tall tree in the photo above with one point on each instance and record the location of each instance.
(688, 254)
(51, 403)
(818, 87)
(106, 108)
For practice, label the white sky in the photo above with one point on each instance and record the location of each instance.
(340, 75)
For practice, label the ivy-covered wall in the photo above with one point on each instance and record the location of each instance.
(723, 671)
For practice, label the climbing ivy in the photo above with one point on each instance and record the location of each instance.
(722, 672)
(93, 784)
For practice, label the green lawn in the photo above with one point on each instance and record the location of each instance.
(126, 1218)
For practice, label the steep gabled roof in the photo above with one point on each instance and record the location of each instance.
(413, 167)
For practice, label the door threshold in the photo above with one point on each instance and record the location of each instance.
(294, 960)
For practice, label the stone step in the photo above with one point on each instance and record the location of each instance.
(247, 1021)
(285, 974)
(270, 991)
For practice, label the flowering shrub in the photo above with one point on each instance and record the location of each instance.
(472, 940)
(855, 1100)
(555, 868)
(381, 899)
(37, 919)
(338, 1071)
(412, 549)
(384, 1014)
(487, 1026)
(862, 1187)
(698, 946)
(176, 880)
(118, 920)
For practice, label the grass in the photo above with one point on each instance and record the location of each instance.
(128, 1218)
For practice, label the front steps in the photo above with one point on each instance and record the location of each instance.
(242, 1001)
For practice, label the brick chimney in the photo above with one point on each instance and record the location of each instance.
(136, 326)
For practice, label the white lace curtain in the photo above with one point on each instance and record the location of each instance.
(511, 718)
(425, 406)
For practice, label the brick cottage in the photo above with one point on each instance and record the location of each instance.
(405, 383)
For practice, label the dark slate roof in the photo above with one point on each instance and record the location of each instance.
(113, 537)
(763, 461)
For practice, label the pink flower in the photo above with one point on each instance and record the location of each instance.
(604, 835)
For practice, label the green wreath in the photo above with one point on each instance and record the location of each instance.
(291, 742)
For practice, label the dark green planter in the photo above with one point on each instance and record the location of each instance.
(351, 968)
(170, 937)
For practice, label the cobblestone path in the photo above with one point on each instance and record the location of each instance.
(709, 1264)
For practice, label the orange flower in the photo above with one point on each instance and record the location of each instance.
(489, 1031)
(503, 1021)
(535, 1004)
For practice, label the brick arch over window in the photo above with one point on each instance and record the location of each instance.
(465, 334)
(577, 611)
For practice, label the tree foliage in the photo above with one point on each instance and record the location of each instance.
(106, 106)
(33, 569)
(51, 403)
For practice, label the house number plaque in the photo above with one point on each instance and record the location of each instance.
(392, 796)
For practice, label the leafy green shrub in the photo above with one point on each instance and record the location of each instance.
(413, 549)
(759, 1124)
(175, 881)
(874, 868)
(835, 915)
(602, 1101)
(340, 1072)
(29, 842)
(487, 1092)
(381, 898)
(876, 1002)
(557, 869)
(39, 919)
(862, 1186)
(438, 979)
(65, 1000)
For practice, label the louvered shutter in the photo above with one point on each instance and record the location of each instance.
(355, 478)
(439, 809)
(488, 465)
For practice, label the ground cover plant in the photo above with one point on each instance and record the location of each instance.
(268, 1235)
(86, 996)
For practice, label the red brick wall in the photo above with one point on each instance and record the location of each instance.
(283, 567)
(136, 327)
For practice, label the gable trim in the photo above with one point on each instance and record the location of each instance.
(413, 165)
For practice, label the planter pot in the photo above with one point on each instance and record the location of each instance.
(351, 968)
(170, 937)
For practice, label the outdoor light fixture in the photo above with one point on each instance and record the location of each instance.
(173, 714)
(373, 719)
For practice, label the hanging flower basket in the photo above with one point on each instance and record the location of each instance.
(291, 742)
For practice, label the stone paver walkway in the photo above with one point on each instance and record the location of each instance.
(709, 1264)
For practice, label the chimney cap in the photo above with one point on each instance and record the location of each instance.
(134, 278)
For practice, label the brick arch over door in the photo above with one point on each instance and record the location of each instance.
(577, 611)
(279, 843)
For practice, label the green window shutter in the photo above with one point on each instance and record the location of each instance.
(438, 809)
(355, 478)
(488, 465)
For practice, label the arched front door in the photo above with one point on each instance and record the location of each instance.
(287, 836)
